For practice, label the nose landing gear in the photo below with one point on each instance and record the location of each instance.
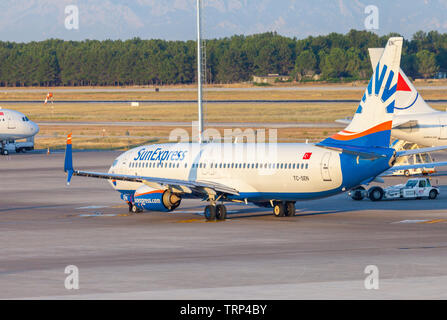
(133, 208)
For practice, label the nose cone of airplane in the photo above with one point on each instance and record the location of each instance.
(34, 128)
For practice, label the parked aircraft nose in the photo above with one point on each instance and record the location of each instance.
(33, 127)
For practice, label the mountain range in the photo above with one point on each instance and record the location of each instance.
(35, 20)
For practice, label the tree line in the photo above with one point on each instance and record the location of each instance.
(335, 56)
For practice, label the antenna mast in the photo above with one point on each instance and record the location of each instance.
(199, 71)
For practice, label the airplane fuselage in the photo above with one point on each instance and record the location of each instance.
(427, 129)
(290, 172)
(15, 125)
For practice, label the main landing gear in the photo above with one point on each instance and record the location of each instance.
(215, 212)
(284, 209)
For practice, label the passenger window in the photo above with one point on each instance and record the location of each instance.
(302, 166)
(307, 165)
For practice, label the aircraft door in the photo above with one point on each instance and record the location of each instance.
(11, 122)
(325, 173)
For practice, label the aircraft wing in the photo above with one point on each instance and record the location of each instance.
(346, 120)
(187, 186)
(397, 123)
(414, 166)
(403, 153)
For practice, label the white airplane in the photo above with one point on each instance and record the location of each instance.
(15, 125)
(157, 177)
(414, 120)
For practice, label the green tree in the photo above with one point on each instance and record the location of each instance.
(335, 64)
(426, 63)
(305, 63)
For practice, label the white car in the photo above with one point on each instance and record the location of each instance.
(416, 188)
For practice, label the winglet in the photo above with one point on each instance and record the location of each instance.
(68, 165)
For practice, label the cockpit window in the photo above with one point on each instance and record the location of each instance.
(114, 163)
(25, 119)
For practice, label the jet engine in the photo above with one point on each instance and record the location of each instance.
(151, 199)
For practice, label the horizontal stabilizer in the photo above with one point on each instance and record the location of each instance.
(363, 152)
(404, 124)
(397, 123)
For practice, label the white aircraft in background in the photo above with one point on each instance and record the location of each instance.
(414, 120)
(15, 125)
(156, 177)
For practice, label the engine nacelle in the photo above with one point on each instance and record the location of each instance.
(151, 199)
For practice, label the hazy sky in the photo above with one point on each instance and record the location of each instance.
(34, 20)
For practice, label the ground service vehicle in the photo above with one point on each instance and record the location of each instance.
(416, 188)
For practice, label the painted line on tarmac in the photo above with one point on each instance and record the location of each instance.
(435, 221)
(100, 214)
(421, 221)
(411, 221)
(91, 207)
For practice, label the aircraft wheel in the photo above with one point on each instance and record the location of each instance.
(357, 194)
(407, 173)
(221, 212)
(433, 194)
(375, 194)
(5, 152)
(290, 209)
(279, 209)
(135, 209)
(210, 213)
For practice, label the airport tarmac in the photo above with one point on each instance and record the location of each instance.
(321, 253)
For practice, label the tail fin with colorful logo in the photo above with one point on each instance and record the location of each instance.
(408, 99)
(372, 121)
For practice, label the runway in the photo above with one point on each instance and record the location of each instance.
(359, 87)
(189, 124)
(321, 253)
